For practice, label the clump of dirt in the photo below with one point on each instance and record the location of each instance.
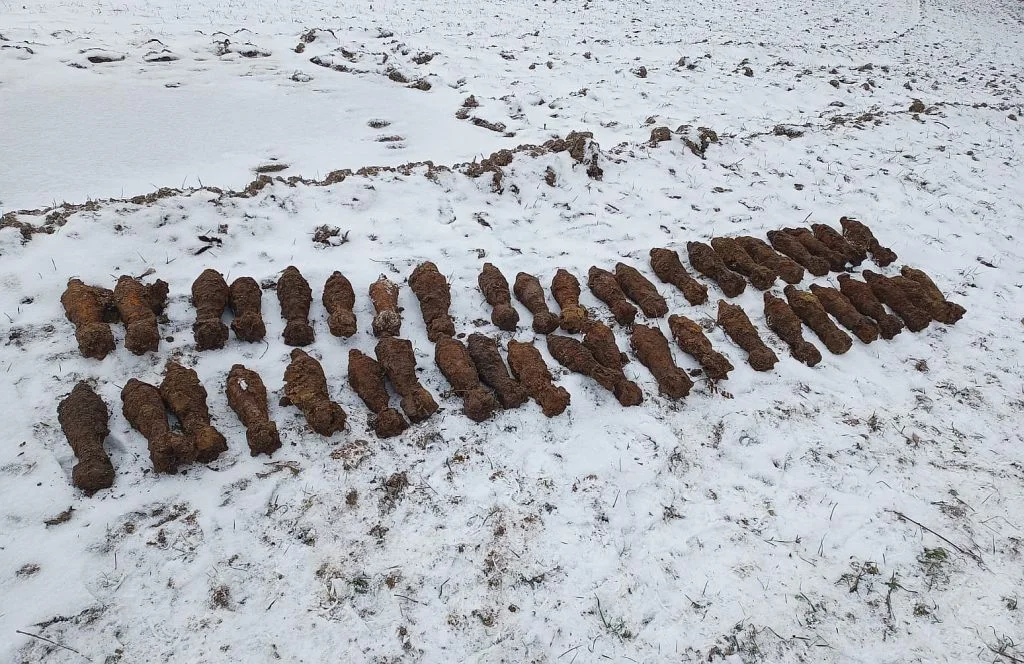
(566, 290)
(138, 306)
(737, 325)
(668, 268)
(84, 306)
(810, 311)
(705, 260)
(784, 322)
(861, 237)
(584, 150)
(494, 286)
(305, 386)
(784, 266)
(246, 302)
(606, 288)
(434, 294)
(498, 127)
(366, 377)
(531, 294)
(831, 238)
(247, 396)
(295, 297)
(699, 140)
(388, 320)
(843, 311)
(83, 417)
(790, 246)
(815, 247)
(339, 299)
(143, 407)
(740, 262)
(454, 361)
(397, 358)
(651, 347)
(494, 373)
(915, 318)
(574, 356)
(691, 338)
(942, 309)
(864, 300)
(185, 396)
(529, 369)
(640, 289)
(493, 165)
(660, 135)
(210, 296)
(331, 236)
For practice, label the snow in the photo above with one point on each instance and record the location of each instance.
(758, 522)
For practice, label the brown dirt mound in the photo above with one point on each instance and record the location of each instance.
(134, 304)
(366, 377)
(339, 299)
(739, 261)
(529, 291)
(863, 300)
(83, 417)
(398, 360)
(784, 266)
(185, 396)
(737, 325)
(810, 311)
(574, 356)
(246, 301)
(861, 237)
(815, 247)
(454, 361)
(668, 268)
(305, 386)
(247, 396)
(494, 373)
(603, 285)
(942, 309)
(843, 311)
(494, 286)
(144, 410)
(705, 260)
(435, 298)
(565, 288)
(384, 295)
(529, 368)
(295, 296)
(691, 338)
(210, 296)
(832, 239)
(640, 289)
(915, 318)
(790, 246)
(784, 322)
(84, 306)
(651, 347)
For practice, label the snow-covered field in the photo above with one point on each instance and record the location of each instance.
(759, 522)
